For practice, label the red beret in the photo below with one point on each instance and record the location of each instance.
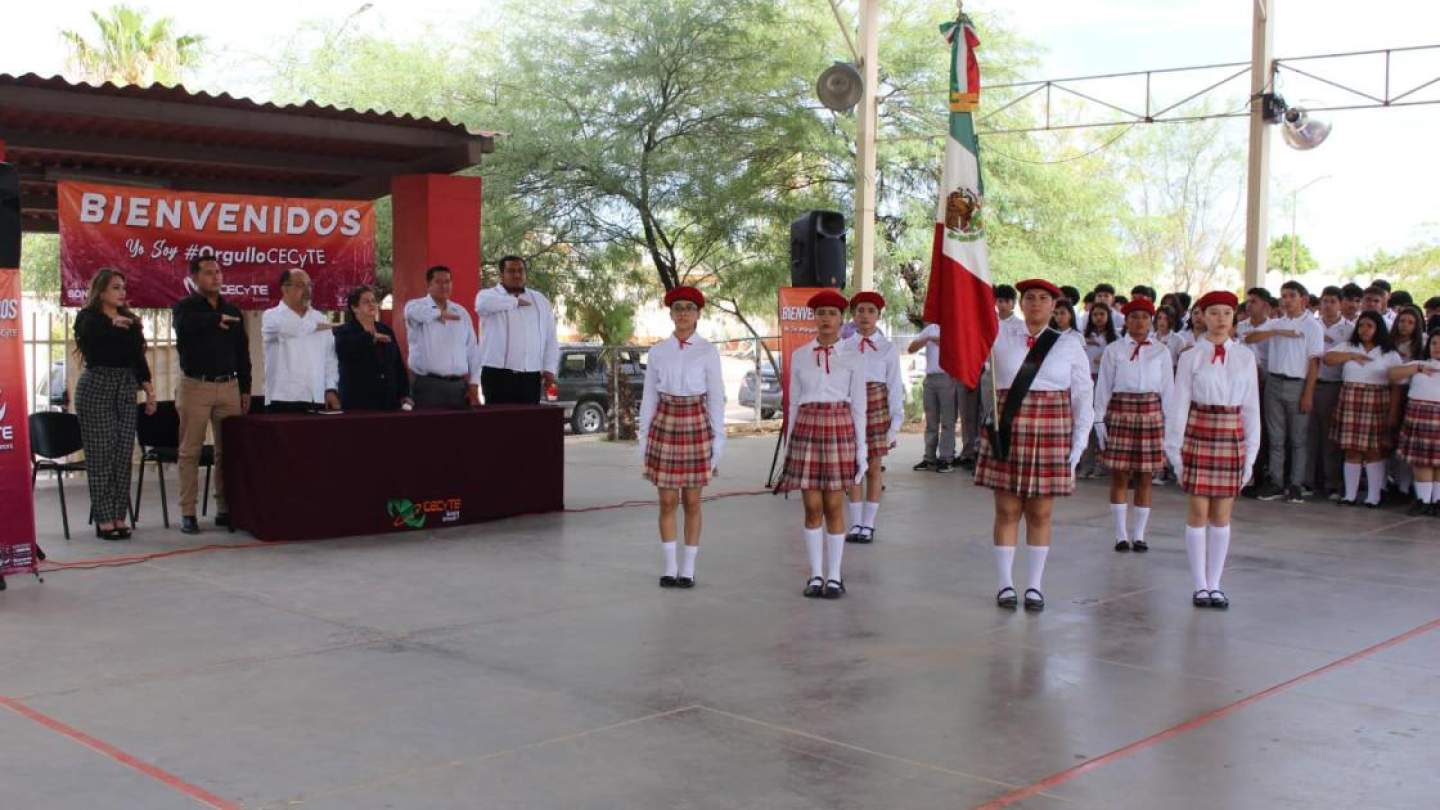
(1211, 299)
(690, 294)
(827, 298)
(868, 297)
(1138, 305)
(1037, 284)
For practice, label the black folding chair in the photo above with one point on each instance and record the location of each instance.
(159, 438)
(53, 436)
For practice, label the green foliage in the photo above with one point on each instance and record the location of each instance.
(1416, 269)
(40, 263)
(1280, 256)
(131, 48)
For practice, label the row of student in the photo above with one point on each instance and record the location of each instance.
(311, 364)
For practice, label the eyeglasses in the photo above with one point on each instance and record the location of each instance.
(684, 308)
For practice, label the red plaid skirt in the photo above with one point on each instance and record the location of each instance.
(1420, 435)
(678, 448)
(877, 418)
(1213, 454)
(1135, 434)
(1359, 421)
(822, 452)
(1039, 462)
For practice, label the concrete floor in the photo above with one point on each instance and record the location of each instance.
(533, 663)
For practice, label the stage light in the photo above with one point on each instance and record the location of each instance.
(1303, 132)
(840, 87)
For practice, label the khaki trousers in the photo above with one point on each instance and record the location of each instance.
(202, 405)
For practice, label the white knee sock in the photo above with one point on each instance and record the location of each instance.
(687, 562)
(1374, 481)
(815, 549)
(667, 547)
(1004, 565)
(1424, 491)
(852, 513)
(834, 550)
(1217, 546)
(868, 514)
(1195, 550)
(1352, 480)
(1035, 565)
(1117, 511)
(1142, 519)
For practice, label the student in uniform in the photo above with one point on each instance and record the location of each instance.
(682, 428)
(1029, 457)
(1407, 332)
(1165, 334)
(1324, 475)
(1363, 419)
(884, 409)
(1136, 378)
(1212, 438)
(1098, 330)
(1420, 432)
(825, 440)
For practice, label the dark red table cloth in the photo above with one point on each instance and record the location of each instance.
(306, 477)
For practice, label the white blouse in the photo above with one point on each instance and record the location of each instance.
(1375, 372)
(1132, 368)
(1066, 368)
(1231, 381)
(1426, 386)
(1173, 341)
(834, 376)
(881, 361)
(687, 371)
(1336, 336)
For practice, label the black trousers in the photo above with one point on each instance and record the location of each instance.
(438, 392)
(294, 407)
(501, 386)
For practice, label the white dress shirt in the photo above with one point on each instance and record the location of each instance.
(1123, 371)
(441, 348)
(1203, 380)
(1336, 336)
(515, 337)
(840, 380)
(1066, 368)
(300, 361)
(1426, 386)
(881, 364)
(932, 349)
(1175, 342)
(1375, 372)
(687, 371)
(1291, 356)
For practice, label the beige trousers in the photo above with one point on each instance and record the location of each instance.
(202, 405)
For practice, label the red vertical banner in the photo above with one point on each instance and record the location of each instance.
(17, 504)
(797, 327)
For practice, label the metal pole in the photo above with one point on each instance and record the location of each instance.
(759, 380)
(1257, 197)
(865, 147)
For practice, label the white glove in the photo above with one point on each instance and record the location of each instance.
(863, 467)
(890, 439)
(1100, 435)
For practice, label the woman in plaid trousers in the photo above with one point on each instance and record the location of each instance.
(1212, 438)
(1362, 424)
(682, 428)
(108, 337)
(1136, 378)
(825, 450)
(884, 409)
(1046, 437)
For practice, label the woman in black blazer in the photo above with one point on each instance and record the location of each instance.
(372, 373)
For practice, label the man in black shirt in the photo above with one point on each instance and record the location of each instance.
(215, 362)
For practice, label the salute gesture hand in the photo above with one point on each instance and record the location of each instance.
(122, 322)
(381, 337)
(226, 320)
(447, 315)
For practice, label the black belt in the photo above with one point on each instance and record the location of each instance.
(1329, 382)
(450, 378)
(210, 378)
(1287, 377)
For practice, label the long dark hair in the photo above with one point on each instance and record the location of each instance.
(1416, 341)
(1171, 319)
(1108, 332)
(1068, 307)
(98, 285)
(1382, 334)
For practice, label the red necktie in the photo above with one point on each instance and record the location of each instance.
(683, 344)
(1138, 346)
(823, 351)
(864, 341)
(1219, 353)
(1029, 341)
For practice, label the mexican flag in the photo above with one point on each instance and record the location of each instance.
(959, 297)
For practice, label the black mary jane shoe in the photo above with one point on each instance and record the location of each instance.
(1219, 600)
(1122, 545)
(853, 536)
(685, 582)
(1375, 505)
(110, 534)
(1035, 603)
(865, 535)
(834, 589)
(814, 588)
(1346, 502)
(1007, 598)
(1418, 509)
(1140, 546)
(668, 582)
(124, 532)
(1200, 598)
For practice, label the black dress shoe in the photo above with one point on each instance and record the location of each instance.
(1034, 603)
(1346, 502)
(1140, 546)
(924, 464)
(814, 588)
(684, 582)
(1200, 598)
(853, 536)
(967, 463)
(667, 582)
(1122, 545)
(1218, 599)
(834, 589)
(1417, 509)
(1006, 598)
(222, 519)
(863, 535)
(944, 467)
(189, 525)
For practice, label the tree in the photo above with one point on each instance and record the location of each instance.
(40, 263)
(1294, 261)
(132, 49)
(1417, 269)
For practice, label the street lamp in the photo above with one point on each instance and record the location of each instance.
(1294, 207)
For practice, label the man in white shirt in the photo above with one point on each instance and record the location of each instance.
(1295, 341)
(942, 400)
(301, 371)
(444, 356)
(1324, 475)
(520, 354)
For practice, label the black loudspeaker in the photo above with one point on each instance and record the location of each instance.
(817, 250)
(9, 216)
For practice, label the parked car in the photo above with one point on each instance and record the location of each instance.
(769, 391)
(583, 385)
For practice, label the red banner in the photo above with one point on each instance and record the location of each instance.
(152, 234)
(797, 327)
(17, 504)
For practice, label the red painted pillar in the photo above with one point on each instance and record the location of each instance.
(436, 221)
